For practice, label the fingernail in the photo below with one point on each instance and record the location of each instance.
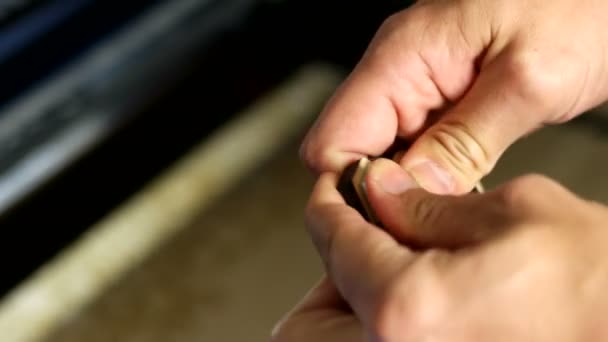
(432, 177)
(391, 177)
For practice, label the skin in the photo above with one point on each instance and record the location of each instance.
(460, 80)
(508, 265)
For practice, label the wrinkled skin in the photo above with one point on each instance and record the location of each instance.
(509, 265)
(461, 80)
(485, 72)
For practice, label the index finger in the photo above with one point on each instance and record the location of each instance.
(359, 120)
(361, 259)
(388, 95)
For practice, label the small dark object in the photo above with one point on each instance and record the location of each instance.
(347, 188)
(352, 186)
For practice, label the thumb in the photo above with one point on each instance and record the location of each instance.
(502, 105)
(419, 218)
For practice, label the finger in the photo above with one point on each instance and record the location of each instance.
(320, 316)
(360, 258)
(503, 104)
(420, 61)
(359, 120)
(423, 219)
(389, 94)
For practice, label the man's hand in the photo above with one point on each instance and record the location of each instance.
(525, 262)
(463, 79)
(321, 316)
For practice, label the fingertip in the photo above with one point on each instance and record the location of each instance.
(321, 158)
(387, 184)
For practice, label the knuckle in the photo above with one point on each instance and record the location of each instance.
(535, 180)
(462, 148)
(404, 26)
(426, 211)
(521, 194)
(535, 200)
(531, 82)
(403, 21)
(530, 180)
(392, 22)
(394, 31)
(516, 194)
(522, 69)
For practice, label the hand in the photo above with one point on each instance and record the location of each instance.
(525, 262)
(321, 316)
(464, 79)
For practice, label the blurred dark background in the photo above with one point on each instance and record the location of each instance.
(98, 97)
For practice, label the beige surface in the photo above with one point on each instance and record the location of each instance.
(117, 244)
(574, 155)
(246, 260)
(226, 278)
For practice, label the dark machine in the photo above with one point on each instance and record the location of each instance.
(98, 97)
